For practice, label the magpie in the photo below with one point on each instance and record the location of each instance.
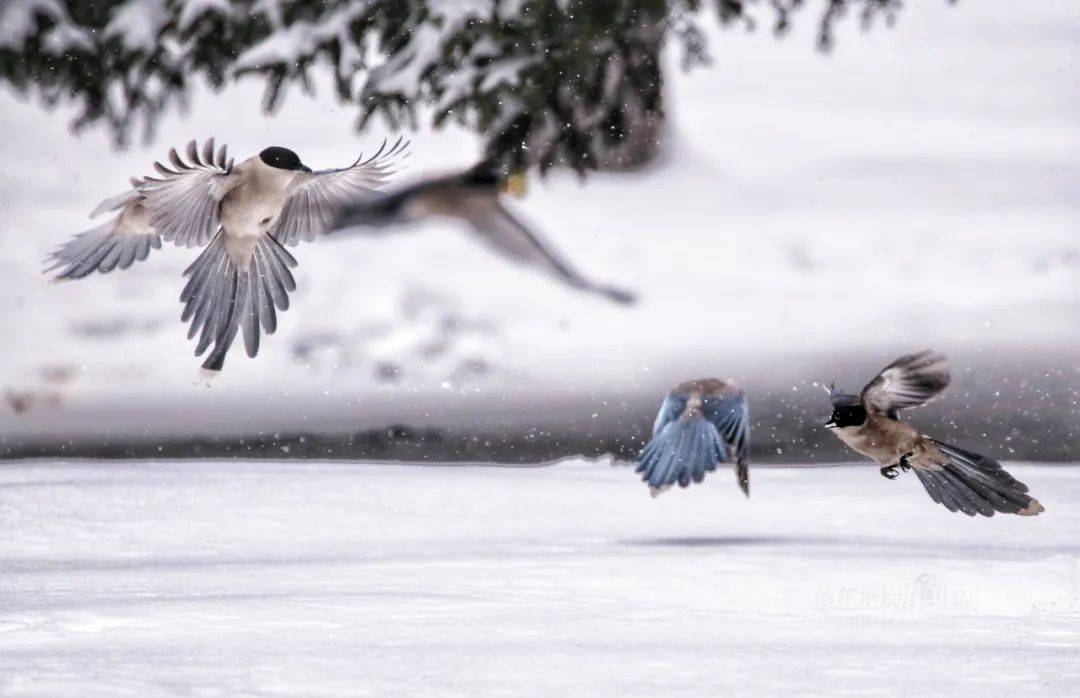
(958, 479)
(474, 198)
(244, 215)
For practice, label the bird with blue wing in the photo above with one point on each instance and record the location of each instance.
(701, 424)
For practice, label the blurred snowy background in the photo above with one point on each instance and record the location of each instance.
(806, 218)
(809, 217)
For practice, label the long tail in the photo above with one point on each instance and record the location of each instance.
(976, 484)
(682, 452)
(221, 299)
(613, 293)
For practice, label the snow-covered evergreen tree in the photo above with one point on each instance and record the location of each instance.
(547, 82)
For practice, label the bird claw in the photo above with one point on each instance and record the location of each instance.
(889, 472)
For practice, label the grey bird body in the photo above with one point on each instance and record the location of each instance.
(244, 215)
(472, 198)
(959, 480)
(254, 194)
(701, 423)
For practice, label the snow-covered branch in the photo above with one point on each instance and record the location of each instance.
(547, 82)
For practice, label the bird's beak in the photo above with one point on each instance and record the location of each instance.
(305, 168)
(514, 185)
(831, 424)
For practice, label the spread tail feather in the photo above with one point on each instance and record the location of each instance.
(976, 484)
(682, 452)
(221, 299)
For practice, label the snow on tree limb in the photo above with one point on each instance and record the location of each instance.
(138, 24)
(575, 83)
(19, 22)
(192, 10)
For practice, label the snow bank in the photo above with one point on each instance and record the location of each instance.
(319, 579)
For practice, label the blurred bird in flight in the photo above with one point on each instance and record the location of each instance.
(474, 198)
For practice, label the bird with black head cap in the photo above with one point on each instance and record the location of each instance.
(244, 214)
(960, 480)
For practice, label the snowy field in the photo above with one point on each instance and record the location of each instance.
(318, 579)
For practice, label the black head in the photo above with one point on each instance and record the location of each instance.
(283, 159)
(848, 410)
(847, 416)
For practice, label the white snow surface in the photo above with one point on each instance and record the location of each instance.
(230, 577)
(915, 188)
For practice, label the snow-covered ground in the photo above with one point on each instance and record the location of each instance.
(918, 187)
(231, 577)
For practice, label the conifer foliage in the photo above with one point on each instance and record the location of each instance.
(575, 83)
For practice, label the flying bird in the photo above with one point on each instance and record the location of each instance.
(244, 214)
(960, 480)
(474, 198)
(701, 424)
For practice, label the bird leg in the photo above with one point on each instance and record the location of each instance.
(889, 471)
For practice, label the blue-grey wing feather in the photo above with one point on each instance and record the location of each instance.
(731, 417)
(730, 414)
(670, 409)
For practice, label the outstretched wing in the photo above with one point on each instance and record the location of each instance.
(686, 445)
(116, 244)
(680, 453)
(184, 201)
(730, 414)
(315, 200)
(507, 235)
(910, 381)
(670, 409)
